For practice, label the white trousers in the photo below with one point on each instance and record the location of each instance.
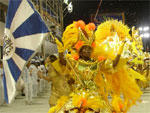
(35, 90)
(28, 91)
(44, 84)
(40, 85)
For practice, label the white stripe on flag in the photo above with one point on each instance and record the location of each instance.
(31, 41)
(10, 82)
(19, 61)
(9, 34)
(22, 14)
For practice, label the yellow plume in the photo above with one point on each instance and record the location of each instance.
(107, 28)
(70, 36)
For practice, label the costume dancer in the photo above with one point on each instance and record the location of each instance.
(96, 63)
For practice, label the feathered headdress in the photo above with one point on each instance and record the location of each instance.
(110, 27)
(78, 34)
(108, 37)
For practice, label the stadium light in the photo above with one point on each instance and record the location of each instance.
(146, 28)
(140, 28)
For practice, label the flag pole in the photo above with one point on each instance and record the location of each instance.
(97, 9)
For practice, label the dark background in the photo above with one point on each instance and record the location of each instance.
(137, 12)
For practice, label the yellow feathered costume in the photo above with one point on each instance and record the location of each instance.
(121, 82)
(116, 82)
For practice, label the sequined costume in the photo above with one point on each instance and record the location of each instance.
(139, 60)
(60, 86)
(99, 76)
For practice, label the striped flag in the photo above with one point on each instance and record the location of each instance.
(24, 33)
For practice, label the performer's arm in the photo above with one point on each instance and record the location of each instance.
(61, 58)
(60, 51)
(40, 74)
(115, 62)
(46, 78)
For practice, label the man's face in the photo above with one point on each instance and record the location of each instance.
(86, 51)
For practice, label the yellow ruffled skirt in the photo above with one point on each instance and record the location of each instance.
(122, 83)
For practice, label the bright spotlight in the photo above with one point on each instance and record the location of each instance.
(146, 28)
(140, 28)
(146, 35)
(142, 35)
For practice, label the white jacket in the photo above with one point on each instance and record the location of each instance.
(27, 77)
(34, 72)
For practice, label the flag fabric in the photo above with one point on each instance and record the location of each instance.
(24, 33)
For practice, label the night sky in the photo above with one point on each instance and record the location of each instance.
(136, 12)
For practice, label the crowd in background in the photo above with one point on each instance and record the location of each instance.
(30, 84)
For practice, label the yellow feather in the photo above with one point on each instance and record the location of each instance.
(104, 30)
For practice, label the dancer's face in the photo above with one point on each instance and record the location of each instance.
(85, 52)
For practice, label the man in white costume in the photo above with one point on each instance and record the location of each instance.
(43, 70)
(34, 75)
(40, 80)
(37, 64)
(28, 84)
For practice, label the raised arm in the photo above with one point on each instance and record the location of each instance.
(116, 60)
(48, 78)
(60, 51)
